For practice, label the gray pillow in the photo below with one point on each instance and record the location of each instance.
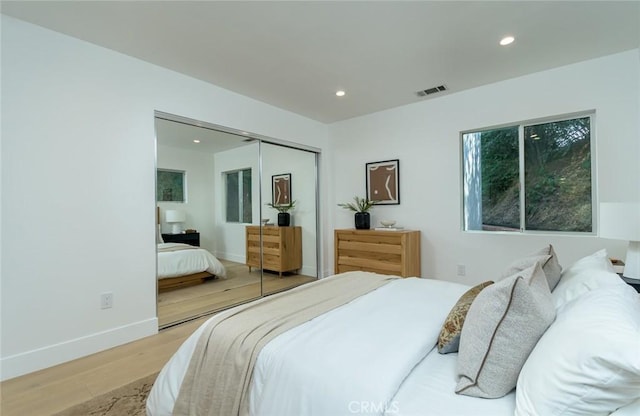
(502, 327)
(550, 265)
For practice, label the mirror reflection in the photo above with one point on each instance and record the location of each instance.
(288, 187)
(219, 243)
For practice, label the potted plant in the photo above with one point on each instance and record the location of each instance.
(284, 218)
(361, 207)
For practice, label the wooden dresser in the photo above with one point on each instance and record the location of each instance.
(385, 252)
(281, 248)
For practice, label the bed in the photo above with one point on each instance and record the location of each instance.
(182, 265)
(379, 352)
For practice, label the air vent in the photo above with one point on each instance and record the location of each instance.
(430, 91)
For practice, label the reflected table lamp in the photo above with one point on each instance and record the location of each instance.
(621, 221)
(175, 217)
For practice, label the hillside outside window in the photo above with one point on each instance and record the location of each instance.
(534, 176)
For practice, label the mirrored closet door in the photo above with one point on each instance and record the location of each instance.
(219, 243)
(288, 184)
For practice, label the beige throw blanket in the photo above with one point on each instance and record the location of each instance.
(176, 247)
(219, 374)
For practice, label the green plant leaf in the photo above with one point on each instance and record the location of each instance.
(360, 204)
(283, 208)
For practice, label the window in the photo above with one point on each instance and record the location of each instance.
(238, 187)
(529, 177)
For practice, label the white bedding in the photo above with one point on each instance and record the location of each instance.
(429, 390)
(184, 262)
(373, 356)
(382, 335)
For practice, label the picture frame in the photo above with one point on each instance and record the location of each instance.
(383, 182)
(281, 189)
(170, 185)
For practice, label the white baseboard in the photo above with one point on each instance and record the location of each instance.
(230, 257)
(308, 271)
(38, 359)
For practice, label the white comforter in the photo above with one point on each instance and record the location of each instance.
(355, 357)
(183, 262)
(372, 356)
(352, 360)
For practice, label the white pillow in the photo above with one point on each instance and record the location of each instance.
(588, 361)
(588, 273)
(547, 258)
(598, 260)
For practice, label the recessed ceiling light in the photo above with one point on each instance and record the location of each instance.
(340, 93)
(507, 40)
(196, 141)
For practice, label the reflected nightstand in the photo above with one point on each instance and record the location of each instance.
(187, 238)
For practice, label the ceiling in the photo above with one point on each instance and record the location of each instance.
(210, 140)
(295, 55)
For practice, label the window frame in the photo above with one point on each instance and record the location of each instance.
(240, 173)
(591, 114)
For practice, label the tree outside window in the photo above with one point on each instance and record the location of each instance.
(529, 177)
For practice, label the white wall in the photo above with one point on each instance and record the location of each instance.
(199, 206)
(78, 199)
(425, 137)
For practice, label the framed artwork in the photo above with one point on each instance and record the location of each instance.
(170, 186)
(383, 182)
(281, 189)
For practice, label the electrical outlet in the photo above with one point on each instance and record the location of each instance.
(462, 270)
(106, 300)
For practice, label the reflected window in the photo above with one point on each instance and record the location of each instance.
(238, 196)
(529, 177)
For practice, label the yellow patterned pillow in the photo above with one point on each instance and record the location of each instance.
(449, 338)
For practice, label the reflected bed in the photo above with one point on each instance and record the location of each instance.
(182, 265)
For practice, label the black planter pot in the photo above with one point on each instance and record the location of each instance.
(363, 220)
(284, 219)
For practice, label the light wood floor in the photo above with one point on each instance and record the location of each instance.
(216, 294)
(57, 388)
